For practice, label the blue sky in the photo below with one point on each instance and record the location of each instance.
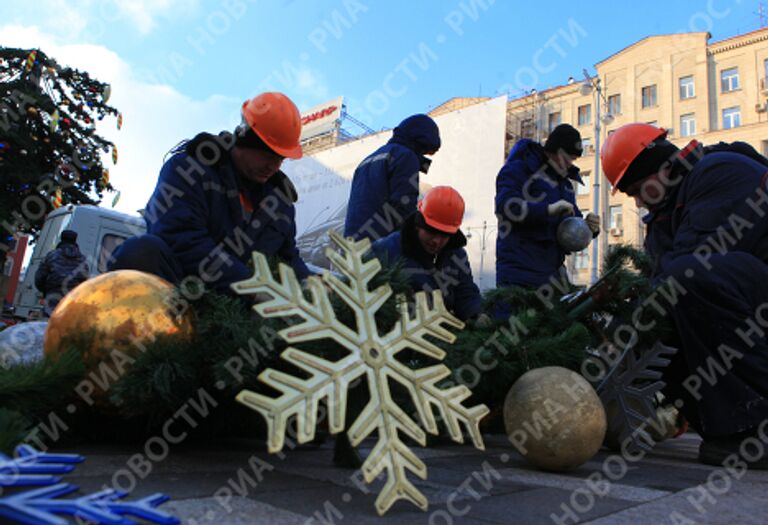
(181, 65)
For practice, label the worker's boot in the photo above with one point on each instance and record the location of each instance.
(749, 447)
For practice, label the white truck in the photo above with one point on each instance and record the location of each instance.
(99, 232)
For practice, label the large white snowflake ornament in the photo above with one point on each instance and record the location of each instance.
(370, 354)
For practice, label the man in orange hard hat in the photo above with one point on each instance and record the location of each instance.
(221, 197)
(430, 246)
(707, 234)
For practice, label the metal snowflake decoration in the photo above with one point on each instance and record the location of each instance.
(370, 354)
(632, 384)
(42, 506)
(32, 467)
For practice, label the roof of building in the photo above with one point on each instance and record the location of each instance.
(643, 40)
(452, 104)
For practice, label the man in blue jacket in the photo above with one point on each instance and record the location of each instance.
(61, 271)
(385, 186)
(707, 233)
(221, 197)
(430, 247)
(534, 193)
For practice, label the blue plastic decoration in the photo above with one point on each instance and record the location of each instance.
(41, 506)
(34, 468)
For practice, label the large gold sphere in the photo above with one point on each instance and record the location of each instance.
(554, 418)
(122, 310)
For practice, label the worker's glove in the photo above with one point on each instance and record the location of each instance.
(593, 221)
(561, 207)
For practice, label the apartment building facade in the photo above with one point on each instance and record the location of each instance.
(708, 91)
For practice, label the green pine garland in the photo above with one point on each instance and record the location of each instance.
(169, 372)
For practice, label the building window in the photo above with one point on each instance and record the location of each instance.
(687, 125)
(554, 121)
(729, 79)
(526, 128)
(614, 104)
(649, 96)
(686, 87)
(585, 114)
(731, 117)
(764, 80)
(581, 259)
(615, 220)
(109, 243)
(583, 189)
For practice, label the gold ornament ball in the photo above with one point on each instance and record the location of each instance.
(124, 310)
(554, 418)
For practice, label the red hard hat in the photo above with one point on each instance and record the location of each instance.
(277, 121)
(623, 146)
(443, 209)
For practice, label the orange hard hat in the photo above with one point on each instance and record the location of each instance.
(277, 121)
(442, 208)
(623, 146)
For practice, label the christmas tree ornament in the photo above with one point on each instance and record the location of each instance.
(629, 390)
(114, 154)
(554, 418)
(119, 311)
(573, 234)
(57, 200)
(54, 120)
(32, 111)
(104, 181)
(23, 151)
(22, 343)
(369, 354)
(106, 93)
(43, 506)
(119, 121)
(31, 467)
(31, 58)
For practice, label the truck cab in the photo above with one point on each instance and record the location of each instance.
(99, 232)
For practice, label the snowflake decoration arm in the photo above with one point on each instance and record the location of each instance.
(33, 467)
(41, 506)
(370, 354)
(632, 384)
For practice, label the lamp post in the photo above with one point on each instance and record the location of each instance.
(592, 85)
(485, 230)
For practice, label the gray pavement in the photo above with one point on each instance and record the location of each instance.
(237, 482)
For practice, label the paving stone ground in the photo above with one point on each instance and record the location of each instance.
(233, 483)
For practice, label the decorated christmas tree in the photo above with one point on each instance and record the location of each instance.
(50, 153)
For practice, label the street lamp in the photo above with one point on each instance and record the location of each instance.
(592, 85)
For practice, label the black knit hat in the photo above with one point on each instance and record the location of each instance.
(564, 137)
(69, 236)
(648, 162)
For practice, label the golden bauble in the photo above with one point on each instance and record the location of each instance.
(121, 311)
(554, 418)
